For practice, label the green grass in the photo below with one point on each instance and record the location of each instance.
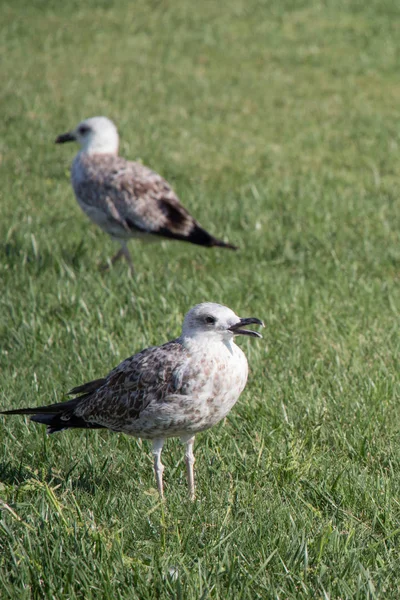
(278, 125)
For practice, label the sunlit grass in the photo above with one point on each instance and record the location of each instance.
(277, 124)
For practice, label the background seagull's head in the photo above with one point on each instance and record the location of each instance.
(217, 322)
(97, 135)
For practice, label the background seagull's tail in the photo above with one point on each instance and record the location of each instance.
(221, 244)
(197, 235)
(200, 236)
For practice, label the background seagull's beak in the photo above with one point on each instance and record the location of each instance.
(236, 328)
(65, 137)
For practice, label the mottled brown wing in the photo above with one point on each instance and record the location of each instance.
(128, 195)
(145, 378)
(148, 203)
(125, 198)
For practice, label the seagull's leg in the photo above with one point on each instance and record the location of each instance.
(113, 260)
(128, 257)
(122, 252)
(117, 256)
(158, 466)
(189, 460)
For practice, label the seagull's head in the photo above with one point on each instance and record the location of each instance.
(217, 322)
(97, 135)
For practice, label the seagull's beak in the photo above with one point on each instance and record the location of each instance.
(65, 137)
(237, 327)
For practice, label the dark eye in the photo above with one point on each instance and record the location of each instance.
(83, 129)
(210, 320)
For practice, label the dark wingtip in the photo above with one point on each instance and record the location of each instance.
(221, 244)
(18, 411)
(86, 388)
(200, 236)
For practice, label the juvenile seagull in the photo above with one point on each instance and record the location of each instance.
(125, 198)
(175, 390)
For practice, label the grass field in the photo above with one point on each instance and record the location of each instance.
(278, 125)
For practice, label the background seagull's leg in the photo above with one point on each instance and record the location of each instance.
(122, 252)
(125, 252)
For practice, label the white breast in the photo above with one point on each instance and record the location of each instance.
(227, 369)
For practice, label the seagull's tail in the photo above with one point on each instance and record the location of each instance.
(200, 236)
(57, 416)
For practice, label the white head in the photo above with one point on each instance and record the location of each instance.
(97, 135)
(216, 322)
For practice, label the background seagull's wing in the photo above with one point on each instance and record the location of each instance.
(126, 198)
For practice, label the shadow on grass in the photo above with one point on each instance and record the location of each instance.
(87, 481)
(11, 475)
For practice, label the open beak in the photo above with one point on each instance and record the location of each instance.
(65, 137)
(237, 327)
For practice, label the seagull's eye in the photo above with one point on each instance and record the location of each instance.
(83, 129)
(210, 320)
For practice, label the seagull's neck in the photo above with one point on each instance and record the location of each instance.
(207, 343)
(100, 147)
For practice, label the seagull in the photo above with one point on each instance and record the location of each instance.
(175, 390)
(125, 198)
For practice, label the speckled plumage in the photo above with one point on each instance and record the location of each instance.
(125, 198)
(178, 389)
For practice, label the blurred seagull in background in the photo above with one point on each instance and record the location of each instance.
(175, 390)
(125, 198)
